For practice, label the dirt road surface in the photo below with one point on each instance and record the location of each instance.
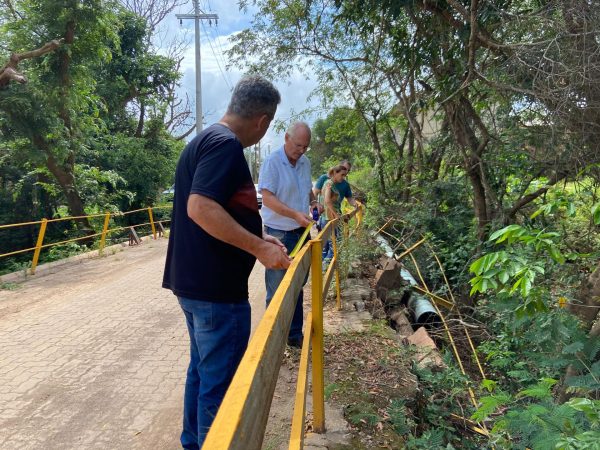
(93, 355)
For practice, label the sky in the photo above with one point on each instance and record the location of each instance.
(217, 81)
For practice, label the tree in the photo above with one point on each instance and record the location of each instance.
(52, 111)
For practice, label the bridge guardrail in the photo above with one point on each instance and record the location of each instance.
(241, 420)
(105, 231)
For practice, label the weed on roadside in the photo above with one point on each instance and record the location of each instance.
(9, 286)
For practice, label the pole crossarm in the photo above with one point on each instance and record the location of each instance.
(199, 16)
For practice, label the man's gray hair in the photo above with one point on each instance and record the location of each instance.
(291, 131)
(254, 96)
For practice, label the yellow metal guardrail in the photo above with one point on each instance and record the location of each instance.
(105, 231)
(242, 417)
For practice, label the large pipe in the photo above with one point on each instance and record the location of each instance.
(423, 311)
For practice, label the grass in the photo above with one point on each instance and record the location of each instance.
(8, 286)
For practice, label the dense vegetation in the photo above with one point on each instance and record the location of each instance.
(88, 113)
(474, 123)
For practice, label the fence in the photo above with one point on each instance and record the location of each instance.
(103, 234)
(242, 417)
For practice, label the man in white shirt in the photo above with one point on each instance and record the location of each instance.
(286, 187)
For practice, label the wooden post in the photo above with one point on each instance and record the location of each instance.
(318, 378)
(104, 230)
(38, 245)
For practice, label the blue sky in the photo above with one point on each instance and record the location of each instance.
(216, 79)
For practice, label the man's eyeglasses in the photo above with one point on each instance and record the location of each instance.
(302, 146)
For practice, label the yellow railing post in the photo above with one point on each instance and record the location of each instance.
(336, 258)
(318, 378)
(38, 245)
(152, 222)
(104, 230)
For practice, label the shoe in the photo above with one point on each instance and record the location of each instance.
(295, 342)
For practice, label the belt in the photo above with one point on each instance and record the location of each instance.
(299, 230)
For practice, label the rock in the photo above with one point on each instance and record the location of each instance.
(356, 289)
(401, 323)
(355, 269)
(388, 278)
(315, 440)
(359, 306)
(426, 354)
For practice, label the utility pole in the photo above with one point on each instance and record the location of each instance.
(198, 16)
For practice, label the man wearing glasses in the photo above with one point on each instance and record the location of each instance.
(286, 188)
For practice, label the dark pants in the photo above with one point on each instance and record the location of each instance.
(273, 278)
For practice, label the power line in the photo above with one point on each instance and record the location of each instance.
(227, 82)
(221, 52)
(198, 16)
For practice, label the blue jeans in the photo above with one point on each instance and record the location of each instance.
(219, 334)
(328, 246)
(274, 277)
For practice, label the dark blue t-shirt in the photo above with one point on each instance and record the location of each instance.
(198, 265)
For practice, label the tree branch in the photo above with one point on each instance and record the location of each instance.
(10, 70)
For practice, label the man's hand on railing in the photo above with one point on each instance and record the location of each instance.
(274, 240)
(303, 220)
(273, 254)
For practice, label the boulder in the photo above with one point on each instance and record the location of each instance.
(426, 354)
(401, 323)
(388, 278)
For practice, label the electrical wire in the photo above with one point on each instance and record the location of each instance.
(227, 82)
(221, 51)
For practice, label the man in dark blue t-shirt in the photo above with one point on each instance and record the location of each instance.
(215, 238)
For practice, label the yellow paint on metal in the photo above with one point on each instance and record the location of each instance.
(336, 256)
(236, 408)
(409, 250)
(104, 230)
(301, 240)
(11, 225)
(38, 245)
(16, 252)
(436, 298)
(473, 349)
(152, 223)
(318, 379)
(328, 276)
(297, 433)
(103, 234)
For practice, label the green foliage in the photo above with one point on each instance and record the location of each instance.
(63, 251)
(440, 396)
(546, 425)
(87, 132)
(533, 420)
(514, 270)
(596, 214)
(433, 439)
(402, 423)
(529, 353)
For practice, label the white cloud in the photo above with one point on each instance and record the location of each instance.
(217, 81)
